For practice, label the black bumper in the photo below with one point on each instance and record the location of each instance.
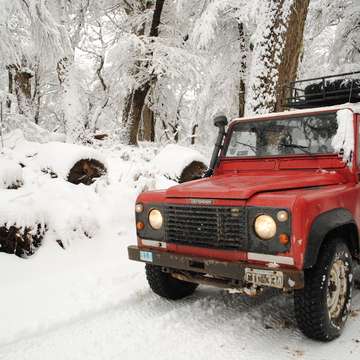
(232, 270)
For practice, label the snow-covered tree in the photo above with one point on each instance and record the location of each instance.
(319, 57)
(160, 70)
(277, 44)
(347, 40)
(32, 42)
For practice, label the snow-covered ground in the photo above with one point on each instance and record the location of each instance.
(89, 301)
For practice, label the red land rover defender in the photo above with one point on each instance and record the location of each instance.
(279, 207)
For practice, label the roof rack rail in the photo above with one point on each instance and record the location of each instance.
(324, 91)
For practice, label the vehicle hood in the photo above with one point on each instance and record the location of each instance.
(245, 186)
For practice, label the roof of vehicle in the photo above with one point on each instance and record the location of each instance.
(354, 107)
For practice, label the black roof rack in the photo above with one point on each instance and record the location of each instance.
(324, 91)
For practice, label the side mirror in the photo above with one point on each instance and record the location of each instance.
(220, 121)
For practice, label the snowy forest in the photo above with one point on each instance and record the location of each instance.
(159, 70)
(106, 101)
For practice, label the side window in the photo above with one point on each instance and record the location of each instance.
(358, 142)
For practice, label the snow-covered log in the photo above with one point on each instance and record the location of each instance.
(74, 163)
(65, 212)
(179, 163)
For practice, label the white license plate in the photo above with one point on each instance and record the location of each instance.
(264, 278)
(146, 256)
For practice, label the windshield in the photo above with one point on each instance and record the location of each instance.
(300, 135)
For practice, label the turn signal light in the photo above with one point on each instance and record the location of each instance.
(140, 225)
(284, 239)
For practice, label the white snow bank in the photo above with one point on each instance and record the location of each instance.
(62, 285)
(343, 141)
(13, 138)
(67, 210)
(173, 159)
(10, 174)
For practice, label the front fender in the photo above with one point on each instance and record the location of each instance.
(321, 226)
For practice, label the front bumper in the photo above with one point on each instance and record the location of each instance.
(233, 271)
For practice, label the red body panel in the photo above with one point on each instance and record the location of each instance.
(307, 186)
(243, 185)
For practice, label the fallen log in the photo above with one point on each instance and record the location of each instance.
(86, 171)
(20, 241)
(193, 171)
(179, 163)
(74, 163)
(100, 136)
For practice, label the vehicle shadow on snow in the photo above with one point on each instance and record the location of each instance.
(270, 313)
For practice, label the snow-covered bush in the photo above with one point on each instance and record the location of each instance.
(11, 176)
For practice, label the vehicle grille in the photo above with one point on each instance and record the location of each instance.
(220, 227)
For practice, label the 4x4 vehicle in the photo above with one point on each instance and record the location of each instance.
(279, 207)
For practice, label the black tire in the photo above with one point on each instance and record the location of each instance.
(164, 285)
(311, 303)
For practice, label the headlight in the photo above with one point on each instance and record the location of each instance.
(155, 219)
(265, 227)
(139, 208)
(282, 216)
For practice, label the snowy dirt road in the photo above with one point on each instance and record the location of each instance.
(211, 324)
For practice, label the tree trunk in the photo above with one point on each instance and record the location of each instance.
(135, 102)
(193, 134)
(134, 108)
(291, 55)
(37, 96)
(243, 66)
(276, 54)
(72, 110)
(148, 124)
(22, 80)
(10, 85)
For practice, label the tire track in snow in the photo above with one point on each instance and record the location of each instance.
(210, 324)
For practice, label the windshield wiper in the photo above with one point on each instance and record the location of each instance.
(297, 146)
(253, 148)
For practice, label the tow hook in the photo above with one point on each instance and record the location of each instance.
(249, 291)
(252, 291)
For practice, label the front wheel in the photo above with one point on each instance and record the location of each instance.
(323, 305)
(164, 285)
